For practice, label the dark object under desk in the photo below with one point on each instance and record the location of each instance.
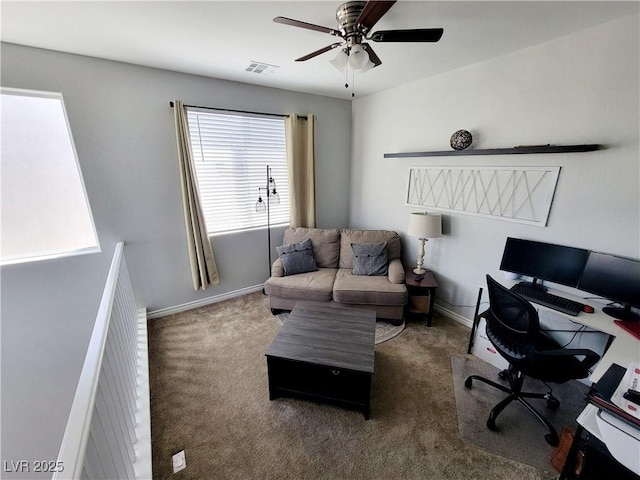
(588, 458)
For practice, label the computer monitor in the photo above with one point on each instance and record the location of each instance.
(544, 261)
(615, 278)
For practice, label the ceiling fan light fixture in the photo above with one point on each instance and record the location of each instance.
(368, 66)
(356, 19)
(358, 58)
(340, 60)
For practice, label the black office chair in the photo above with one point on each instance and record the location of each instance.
(513, 328)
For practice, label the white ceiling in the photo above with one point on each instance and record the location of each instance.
(220, 39)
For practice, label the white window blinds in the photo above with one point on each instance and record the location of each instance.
(231, 153)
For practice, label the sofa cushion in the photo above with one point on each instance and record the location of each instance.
(326, 243)
(369, 258)
(297, 257)
(396, 271)
(277, 269)
(349, 236)
(358, 289)
(316, 285)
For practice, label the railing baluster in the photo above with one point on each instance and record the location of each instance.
(91, 468)
(110, 412)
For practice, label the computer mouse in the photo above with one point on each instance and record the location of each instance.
(587, 309)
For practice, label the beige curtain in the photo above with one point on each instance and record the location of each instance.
(300, 134)
(203, 265)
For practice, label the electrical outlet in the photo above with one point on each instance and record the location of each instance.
(179, 461)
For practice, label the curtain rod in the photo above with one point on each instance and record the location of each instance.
(240, 111)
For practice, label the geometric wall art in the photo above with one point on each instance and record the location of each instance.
(516, 194)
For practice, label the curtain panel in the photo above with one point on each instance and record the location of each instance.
(300, 139)
(203, 266)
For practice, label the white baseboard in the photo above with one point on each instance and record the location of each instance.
(163, 312)
(454, 316)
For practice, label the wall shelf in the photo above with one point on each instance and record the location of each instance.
(501, 151)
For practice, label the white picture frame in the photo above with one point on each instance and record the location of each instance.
(517, 194)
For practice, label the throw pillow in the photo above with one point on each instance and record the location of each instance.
(297, 257)
(369, 258)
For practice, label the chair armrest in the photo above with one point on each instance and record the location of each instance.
(565, 352)
(590, 357)
(277, 269)
(396, 271)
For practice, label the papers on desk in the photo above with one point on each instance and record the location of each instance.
(631, 380)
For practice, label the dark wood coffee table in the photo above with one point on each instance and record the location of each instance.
(324, 352)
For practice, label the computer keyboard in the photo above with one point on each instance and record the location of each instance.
(541, 297)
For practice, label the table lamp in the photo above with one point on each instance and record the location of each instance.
(424, 226)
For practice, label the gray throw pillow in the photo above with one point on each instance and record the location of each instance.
(370, 258)
(297, 257)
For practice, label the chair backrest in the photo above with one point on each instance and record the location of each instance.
(513, 327)
(513, 323)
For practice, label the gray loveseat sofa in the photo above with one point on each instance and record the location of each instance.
(334, 280)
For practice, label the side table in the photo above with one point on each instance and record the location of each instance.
(422, 294)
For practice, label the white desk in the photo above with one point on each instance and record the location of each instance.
(624, 349)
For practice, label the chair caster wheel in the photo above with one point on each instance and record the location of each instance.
(491, 425)
(552, 439)
(503, 375)
(553, 403)
(468, 382)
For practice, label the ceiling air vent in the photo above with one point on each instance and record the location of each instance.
(261, 68)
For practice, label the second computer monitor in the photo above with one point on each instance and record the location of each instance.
(544, 261)
(615, 278)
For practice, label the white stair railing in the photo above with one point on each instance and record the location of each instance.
(108, 433)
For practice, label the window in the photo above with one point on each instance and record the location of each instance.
(45, 211)
(231, 153)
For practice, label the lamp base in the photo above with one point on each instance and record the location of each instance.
(419, 271)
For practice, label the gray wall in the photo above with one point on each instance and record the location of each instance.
(124, 134)
(579, 89)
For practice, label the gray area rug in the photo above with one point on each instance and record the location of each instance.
(520, 436)
(384, 330)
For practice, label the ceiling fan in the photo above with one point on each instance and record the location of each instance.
(355, 21)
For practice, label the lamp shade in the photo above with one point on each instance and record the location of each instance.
(425, 225)
(358, 57)
(340, 60)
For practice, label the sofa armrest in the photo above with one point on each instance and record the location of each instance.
(277, 268)
(396, 271)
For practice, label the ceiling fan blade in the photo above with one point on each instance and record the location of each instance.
(372, 55)
(319, 52)
(372, 12)
(415, 35)
(308, 26)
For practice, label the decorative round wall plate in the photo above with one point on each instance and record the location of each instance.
(461, 140)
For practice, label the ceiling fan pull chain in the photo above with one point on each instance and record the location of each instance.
(346, 75)
(353, 83)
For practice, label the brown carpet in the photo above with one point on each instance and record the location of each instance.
(209, 397)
